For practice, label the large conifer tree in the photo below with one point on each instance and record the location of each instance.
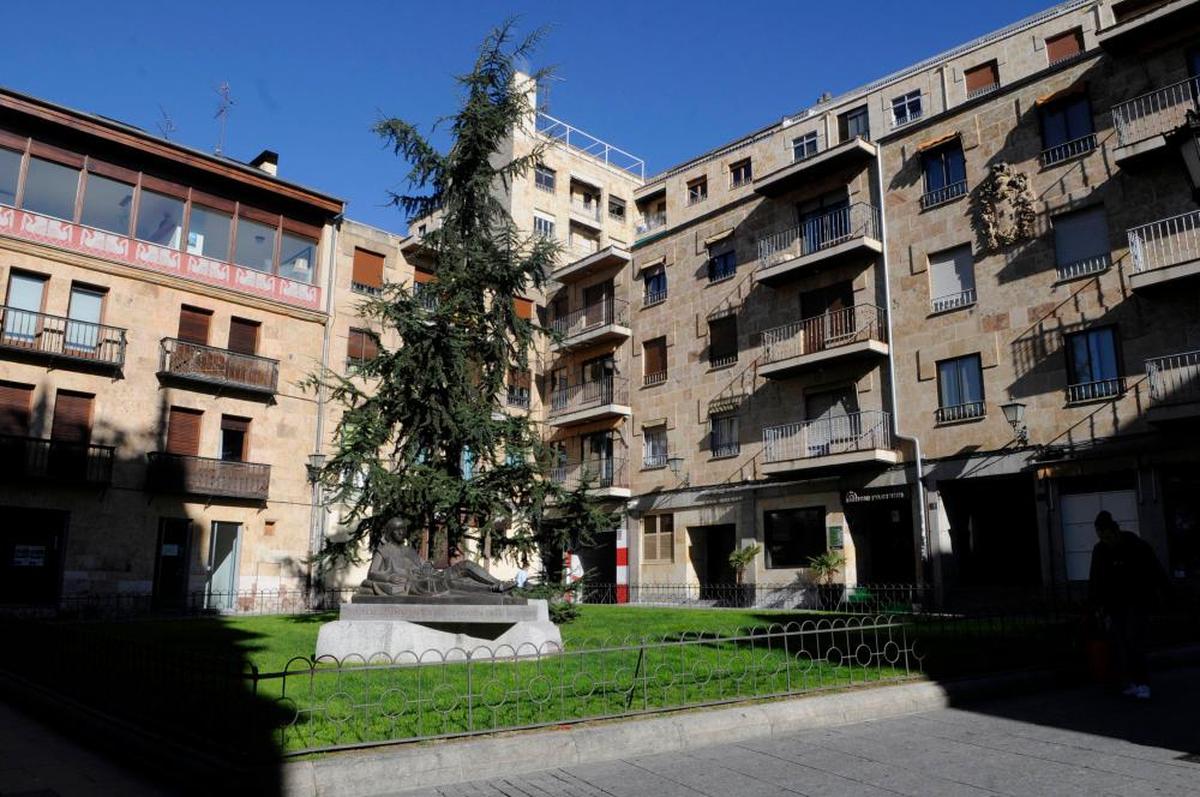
(424, 436)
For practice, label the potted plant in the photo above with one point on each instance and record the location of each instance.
(824, 569)
(739, 560)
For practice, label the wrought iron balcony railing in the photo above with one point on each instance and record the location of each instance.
(841, 434)
(593, 316)
(518, 397)
(952, 301)
(27, 458)
(596, 473)
(1068, 150)
(1156, 112)
(54, 336)
(953, 413)
(940, 196)
(178, 473)
(1174, 378)
(1100, 390)
(820, 232)
(200, 363)
(589, 395)
(831, 330)
(1167, 242)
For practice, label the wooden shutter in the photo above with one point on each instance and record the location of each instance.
(423, 276)
(16, 402)
(368, 268)
(72, 417)
(982, 76)
(183, 431)
(656, 356)
(1063, 46)
(523, 308)
(243, 335)
(193, 324)
(355, 345)
(649, 539)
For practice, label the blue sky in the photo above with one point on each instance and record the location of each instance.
(665, 81)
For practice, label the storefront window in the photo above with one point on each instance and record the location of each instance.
(793, 536)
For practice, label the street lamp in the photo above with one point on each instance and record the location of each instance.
(316, 463)
(1014, 413)
(676, 466)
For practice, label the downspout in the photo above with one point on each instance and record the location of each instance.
(891, 364)
(319, 517)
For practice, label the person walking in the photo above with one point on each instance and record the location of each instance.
(1125, 582)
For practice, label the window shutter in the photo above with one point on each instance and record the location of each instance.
(72, 417)
(656, 356)
(951, 272)
(232, 424)
(1063, 46)
(1080, 236)
(16, 402)
(982, 76)
(243, 335)
(649, 539)
(183, 431)
(422, 276)
(368, 268)
(193, 324)
(354, 345)
(523, 308)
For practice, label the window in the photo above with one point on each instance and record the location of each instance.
(616, 208)
(16, 409)
(1081, 243)
(982, 79)
(1093, 371)
(255, 245)
(654, 361)
(367, 276)
(697, 190)
(208, 233)
(50, 189)
(243, 335)
(10, 171)
(658, 538)
(952, 278)
(654, 447)
(543, 178)
(193, 324)
(83, 325)
(655, 281)
(723, 435)
(297, 255)
(160, 219)
(107, 204)
(361, 347)
(722, 266)
(22, 318)
(960, 389)
(906, 108)
(740, 173)
(793, 536)
(855, 123)
(519, 383)
(235, 433)
(1066, 128)
(183, 431)
(945, 170)
(722, 341)
(543, 226)
(1064, 46)
(804, 146)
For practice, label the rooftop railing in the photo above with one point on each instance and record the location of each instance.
(827, 331)
(593, 316)
(589, 395)
(1165, 243)
(1156, 112)
(817, 233)
(840, 434)
(576, 139)
(54, 336)
(596, 473)
(191, 475)
(65, 461)
(200, 363)
(1174, 378)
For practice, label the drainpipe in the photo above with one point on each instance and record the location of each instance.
(318, 517)
(891, 364)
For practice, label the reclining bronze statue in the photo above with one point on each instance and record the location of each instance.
(397, 570)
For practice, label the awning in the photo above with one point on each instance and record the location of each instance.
(1069, 91)
(717, 238)
(937, 142)
(726, 403)
(658, 261)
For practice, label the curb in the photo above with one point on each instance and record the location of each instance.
(398, 768)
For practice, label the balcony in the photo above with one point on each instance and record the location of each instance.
(960, 413)
(517, 397)
(42, 337)
(840, 234)
(583, 263)
(204, 476)
(650, 224)
(860, 438)
(854, 152)
(940, 196)
(602, 322)
(194, 362)
(62, 461)
(605, 478)
(1174, 382)
(1144, 22)
(1100, 390)
(1052, 156)
(586, 212)
(1143, 122)
(590, 401)
(952, 301)
(1165, 251)
(842, 334)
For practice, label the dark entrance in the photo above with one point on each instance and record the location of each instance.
(993, 531)
(171, 563)
(599, 562)
(1181, 499)
(709, 548)
(31, 551)
(881, 527)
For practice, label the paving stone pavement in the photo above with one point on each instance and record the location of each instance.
(1074, 742)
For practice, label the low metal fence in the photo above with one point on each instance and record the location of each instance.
(114, 605)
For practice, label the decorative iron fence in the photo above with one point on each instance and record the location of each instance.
(1174, 378)
(831, 330)
(1156, 112)
(54, 460)
(827, 230)
(1167, 242)
(178, 473)
(196, 362)
(841, 434)
(590, 395)
(53, 336)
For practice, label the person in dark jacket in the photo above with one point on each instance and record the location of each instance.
(1126, 581)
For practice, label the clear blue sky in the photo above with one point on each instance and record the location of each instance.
(663, 80)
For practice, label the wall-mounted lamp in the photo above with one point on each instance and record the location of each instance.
(1014, 413)
(676, 466)
(316, 463)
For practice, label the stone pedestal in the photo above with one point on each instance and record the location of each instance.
(407, 631)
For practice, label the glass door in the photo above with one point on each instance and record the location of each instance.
(220, 590)
(83, 321)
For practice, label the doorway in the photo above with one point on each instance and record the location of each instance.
(171, 563)
(220, 589)
(993, 532)
(709, 548)
(832, 419)
(31, 549)
(884, 550)
(830, 313)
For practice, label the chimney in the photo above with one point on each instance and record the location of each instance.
(267, 161)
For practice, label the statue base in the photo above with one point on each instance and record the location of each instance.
(408, 632)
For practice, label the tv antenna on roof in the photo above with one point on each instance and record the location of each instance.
(543, 91)
(222, 113)
(166, 125)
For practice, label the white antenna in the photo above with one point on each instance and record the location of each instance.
(543, 89)
(166, 125)
(222, 113)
